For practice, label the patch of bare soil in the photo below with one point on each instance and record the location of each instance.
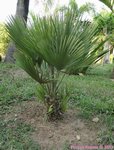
(54, 135)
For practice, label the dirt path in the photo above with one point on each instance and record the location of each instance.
(54, 135)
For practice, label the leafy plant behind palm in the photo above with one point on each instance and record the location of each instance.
(74, 8)
(51, 47)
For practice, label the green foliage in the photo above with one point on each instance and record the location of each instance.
(64, 95)
(4, 40)
(85, 8)
(53, 45)
(40, 92)
(105, 20)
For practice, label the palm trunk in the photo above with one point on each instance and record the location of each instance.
(54, 111)
(22, 11)
(53, 100)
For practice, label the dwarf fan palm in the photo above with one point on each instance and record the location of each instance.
(50, 47)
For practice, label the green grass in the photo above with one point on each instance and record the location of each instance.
(93, 94)
(14, 88)
(14, 135)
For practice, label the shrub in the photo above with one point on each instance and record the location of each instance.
(4, 40)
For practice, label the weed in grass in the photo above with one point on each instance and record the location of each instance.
(66, 146)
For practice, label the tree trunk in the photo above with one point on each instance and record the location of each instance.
(21, 11)
(106, 59)
(113, 55)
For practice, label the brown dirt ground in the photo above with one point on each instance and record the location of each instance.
(54, 135)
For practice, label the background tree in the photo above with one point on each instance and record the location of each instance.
(105, 22)
(47, 6)
(21, 11)
(85, 8)
(73, 7)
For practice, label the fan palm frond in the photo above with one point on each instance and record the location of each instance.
(62, 42)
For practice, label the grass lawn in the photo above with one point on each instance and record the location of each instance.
(22, 128)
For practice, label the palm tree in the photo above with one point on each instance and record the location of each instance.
(22, 11)
(50, 48)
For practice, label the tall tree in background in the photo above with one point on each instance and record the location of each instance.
(47, 6)
(73, 7)
(109, 4)
(105, 22)
(21, 11)
(85, 8)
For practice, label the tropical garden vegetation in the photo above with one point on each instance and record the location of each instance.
(67, 90)
(4, 40)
